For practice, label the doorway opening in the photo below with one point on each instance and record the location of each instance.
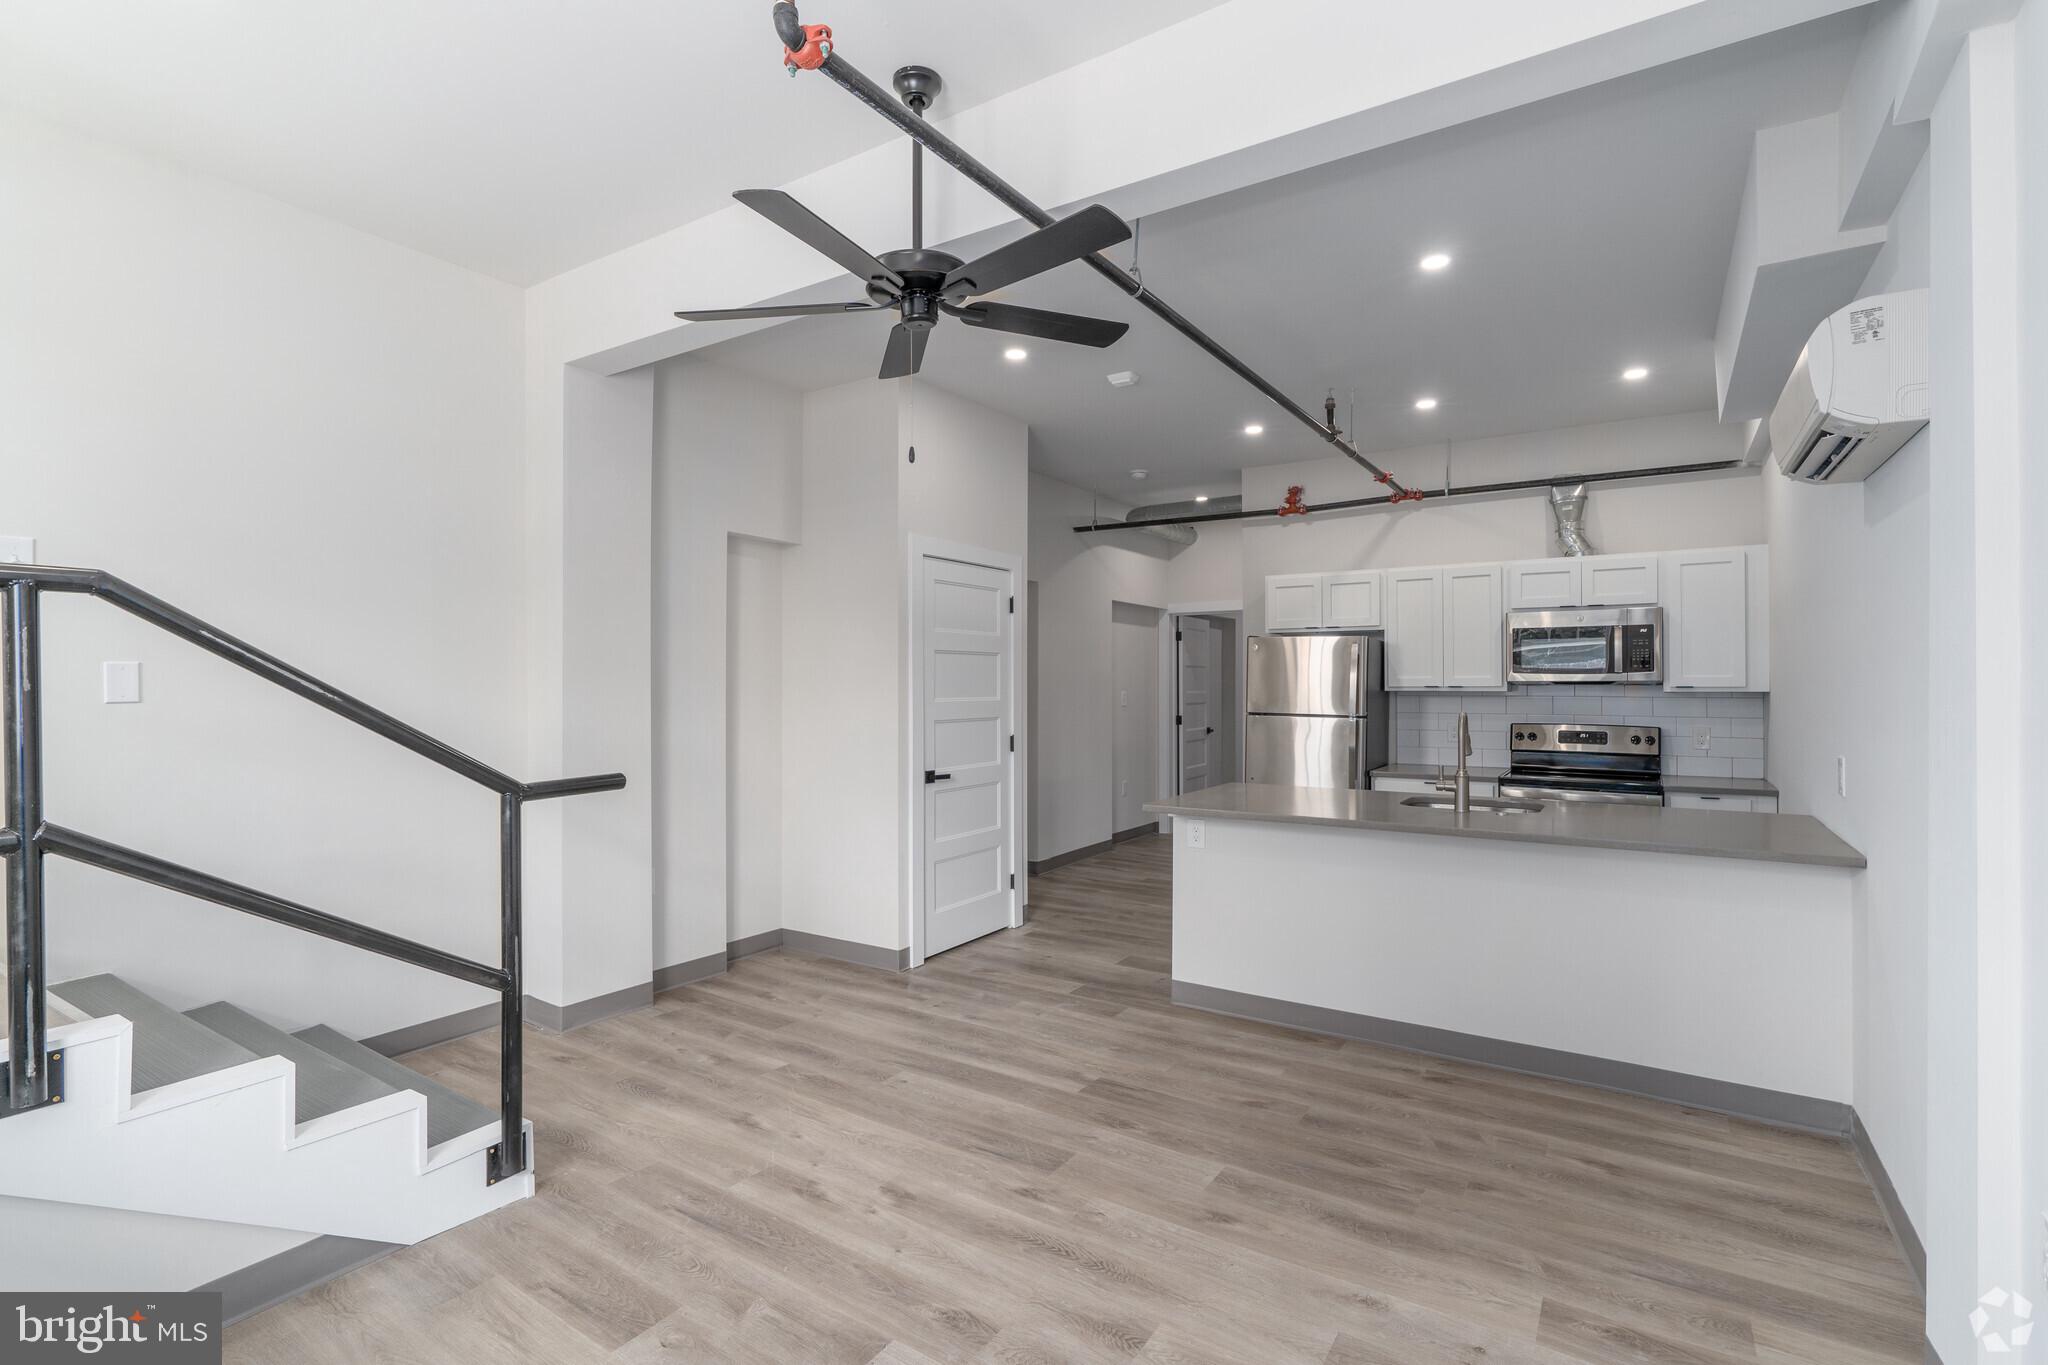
(1134, 717)
(1206, 738)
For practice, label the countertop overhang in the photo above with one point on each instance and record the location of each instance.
(1641, 829)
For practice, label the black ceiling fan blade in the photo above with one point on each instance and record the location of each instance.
(1078, 234)
(905, 355)
(789, 310)
(807, 227)
(1036, 322)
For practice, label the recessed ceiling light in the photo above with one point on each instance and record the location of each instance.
(1139, 473)
(1425, 405)
(1201, 497)
(1123, 379)
(1434, 261)
(1635, 372)
(1015, 353)
(1254, 429)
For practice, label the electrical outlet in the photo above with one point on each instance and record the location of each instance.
(1123, 788)
(1841, 775)
(1703, 737)
(1123, 698)
(1198, 834)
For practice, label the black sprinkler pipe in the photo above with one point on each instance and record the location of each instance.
(850, 79)
(1669, 471)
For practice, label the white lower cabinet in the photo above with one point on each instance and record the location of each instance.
(1762, 805)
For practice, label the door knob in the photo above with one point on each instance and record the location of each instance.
(931, 777)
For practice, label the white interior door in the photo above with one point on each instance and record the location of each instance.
(967, 637)
(1195, 684)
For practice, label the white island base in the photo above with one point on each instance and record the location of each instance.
(1718, 982)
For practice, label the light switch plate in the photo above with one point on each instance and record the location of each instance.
(1198, 833)
(17, 549)
(120, 681)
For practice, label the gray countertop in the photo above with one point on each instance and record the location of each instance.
(1646, 829)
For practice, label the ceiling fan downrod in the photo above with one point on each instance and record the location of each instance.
(809, 47)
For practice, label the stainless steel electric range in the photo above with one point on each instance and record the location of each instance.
(1584, 761)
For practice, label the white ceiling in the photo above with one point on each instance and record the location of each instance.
(1590, 233)
(516, 137)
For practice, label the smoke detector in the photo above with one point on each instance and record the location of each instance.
(1123, 379)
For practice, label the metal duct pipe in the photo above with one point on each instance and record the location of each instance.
(1568, 505)
(1159, 518)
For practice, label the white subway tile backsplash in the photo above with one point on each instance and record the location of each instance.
(1426, 723)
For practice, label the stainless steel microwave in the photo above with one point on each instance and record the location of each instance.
(1586, 645)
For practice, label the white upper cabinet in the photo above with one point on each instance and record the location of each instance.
(1706, 620)
(1294, 601)
(1475, 651)
(1540, 584)
(1351, 601)
(1619, 581)
(1415, 628)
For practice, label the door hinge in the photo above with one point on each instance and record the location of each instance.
(1177, 637)
(1013, 881)
(1178, 721)
(1013, 604)
(1013, 744)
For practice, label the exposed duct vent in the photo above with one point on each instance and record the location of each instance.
(1164, 511)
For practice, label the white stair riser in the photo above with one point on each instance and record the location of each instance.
(224, 1147)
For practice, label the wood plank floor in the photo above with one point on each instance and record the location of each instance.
(1023, 1153)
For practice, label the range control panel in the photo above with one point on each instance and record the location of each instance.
(1580, 738)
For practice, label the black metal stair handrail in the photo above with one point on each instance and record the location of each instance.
(27, 837)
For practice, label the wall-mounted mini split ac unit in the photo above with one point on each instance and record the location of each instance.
(1858, 393)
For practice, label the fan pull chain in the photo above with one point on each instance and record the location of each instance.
(1137, 245)
(910, 413)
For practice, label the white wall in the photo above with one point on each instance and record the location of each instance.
(1134, 710)
(842, 714)
(1849, 584)
(1673, 514)
(753, 739)
(80, 1247)
(1078, 577)
(310, 437)
(728, 454)
(845, 639)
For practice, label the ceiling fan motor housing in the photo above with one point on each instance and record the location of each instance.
(923, 273)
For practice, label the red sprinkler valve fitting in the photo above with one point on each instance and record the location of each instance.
(817, 47)
(1294, 506)
(1405, 495)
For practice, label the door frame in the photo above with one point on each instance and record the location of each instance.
(1169, 688)
(917, 549)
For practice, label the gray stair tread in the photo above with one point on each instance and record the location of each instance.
(326, 1083)
(449, 1115)
(168, 1047)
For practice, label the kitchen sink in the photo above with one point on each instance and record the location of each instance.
(1486, 804)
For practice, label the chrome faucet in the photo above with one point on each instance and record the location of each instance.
(1461, 787)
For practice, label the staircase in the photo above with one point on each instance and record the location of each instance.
(215, 1114)
(112, 1101)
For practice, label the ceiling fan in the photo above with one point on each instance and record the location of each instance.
(918, 284)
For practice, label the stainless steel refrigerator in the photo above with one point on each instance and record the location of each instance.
(1315, 709)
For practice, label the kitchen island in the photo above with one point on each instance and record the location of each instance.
(1698, 956)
